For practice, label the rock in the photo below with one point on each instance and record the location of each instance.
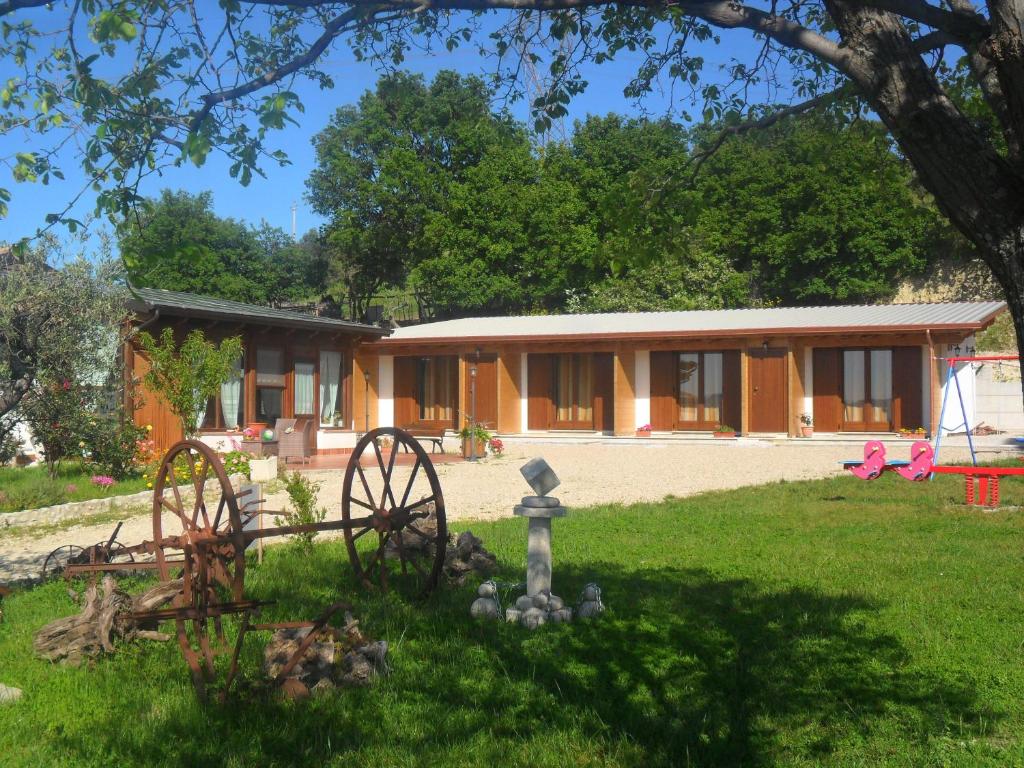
(487, 589)
(294, 689)
(512, 615)
(591, 592)
(555, 603)
(532, 618)
(524, 603)
(484, 608)
(358, 670)
(325, 685)
(560, 616)
(316, 663)
(589, 609)
(8, 694)
(376, 653)
(540, 600)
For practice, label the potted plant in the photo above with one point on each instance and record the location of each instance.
(724, 430)
(806, 425)
(910, 434)
(478, 433)
(643, 431)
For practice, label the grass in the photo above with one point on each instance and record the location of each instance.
(824, 623)
(32, 487)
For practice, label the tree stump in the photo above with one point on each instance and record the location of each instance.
(104, 619)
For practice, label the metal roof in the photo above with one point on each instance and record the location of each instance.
(177, 304)
(967, 316)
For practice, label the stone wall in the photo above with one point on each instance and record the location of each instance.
(77, 509)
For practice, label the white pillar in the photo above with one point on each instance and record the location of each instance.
(524, 395)
(809, 381)
(386, 391)
(642, 392)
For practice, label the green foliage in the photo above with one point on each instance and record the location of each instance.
(236, 462)
(302, 493)
(57, 413)
(178, 243)
(816, 213)
(187, 376)
(32, 487)
(822, 623)
(113, 445)
(998, 337)
(477, 431)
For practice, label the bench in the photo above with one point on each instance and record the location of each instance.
(424, 433)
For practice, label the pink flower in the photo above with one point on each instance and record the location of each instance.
(103, 481)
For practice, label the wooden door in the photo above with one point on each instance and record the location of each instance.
(907, 388)
(486, 390)
(604, 392)
(828, 404)
(664, 408)
(767, 390)
(867, 390)
(540, 409)
(732, 401)
(404, 391)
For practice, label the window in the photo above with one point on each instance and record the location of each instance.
(436, 384)
(867, 387)
(304, 387)
(332, 412)
(701, 388)
(574, 389)
(227, 409)
(269, 385)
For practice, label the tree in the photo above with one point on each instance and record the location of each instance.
(189, 375)
(816, 213)
(183, 92)
(178, 243)
(385, 166)
(56, 325)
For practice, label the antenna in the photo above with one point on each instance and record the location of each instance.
(295, 207)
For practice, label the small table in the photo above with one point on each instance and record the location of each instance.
(260, 448)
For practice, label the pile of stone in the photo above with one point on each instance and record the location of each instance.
(342, 657)
(531, 611)
(465, 555)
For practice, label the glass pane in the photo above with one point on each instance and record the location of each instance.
(689, 386)
(268, 405)
(853, 385)
(303, 388)
(881, 386)
(436, 389)
(584, 388)
(330, 389)
(713, 387)
(269, 367)
(208, 419)
(563, 388)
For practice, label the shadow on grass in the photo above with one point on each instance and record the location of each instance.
(684, 667)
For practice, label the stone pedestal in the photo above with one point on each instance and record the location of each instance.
(538, 545)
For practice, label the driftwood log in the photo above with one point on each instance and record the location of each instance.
(104, 618)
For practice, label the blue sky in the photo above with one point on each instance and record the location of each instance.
(271, 198)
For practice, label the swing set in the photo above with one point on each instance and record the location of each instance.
(981, 484)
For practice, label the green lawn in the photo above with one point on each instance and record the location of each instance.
(32, 487)
(811, 624)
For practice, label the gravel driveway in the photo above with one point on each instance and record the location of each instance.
(590, 474)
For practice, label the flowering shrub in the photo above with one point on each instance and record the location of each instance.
(103, 481)
(146, 452)
(236, 462)
(115, 445)
(497, 447)
(250, 433)
(645, 428)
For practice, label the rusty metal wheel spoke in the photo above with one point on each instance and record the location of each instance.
(392, 514)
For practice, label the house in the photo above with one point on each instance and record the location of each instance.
(853, 368)
(294, 365)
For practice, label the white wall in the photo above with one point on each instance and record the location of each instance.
(386, 391)
(524, 402)
(808, 381)
(642, 407)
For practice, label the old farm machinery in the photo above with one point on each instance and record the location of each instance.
(392, 519)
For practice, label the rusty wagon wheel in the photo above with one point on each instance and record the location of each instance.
(398, 506)
(210, 560)
(61, 558)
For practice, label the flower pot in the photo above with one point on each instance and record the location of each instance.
(724, 434)
(481, 448)
(807, 431)
(643, 433)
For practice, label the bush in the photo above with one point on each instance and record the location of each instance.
(302, 491)
(114, 446)
(236, 462)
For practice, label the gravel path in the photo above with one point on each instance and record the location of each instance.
(590, 474)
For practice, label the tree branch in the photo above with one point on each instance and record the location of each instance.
(16, 5)
(966, 25)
